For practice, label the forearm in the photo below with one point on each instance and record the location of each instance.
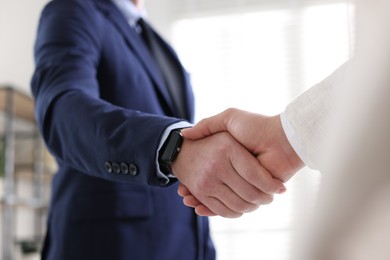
(85, 132)
(307, 119)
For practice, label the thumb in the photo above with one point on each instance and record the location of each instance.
(206, 127)
(194, 133)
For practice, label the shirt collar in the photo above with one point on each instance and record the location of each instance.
(130, 11)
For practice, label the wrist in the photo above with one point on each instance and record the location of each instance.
(176, 163)
(170, 151)
(290, 153)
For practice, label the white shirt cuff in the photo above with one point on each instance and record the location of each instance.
(163, 177)
(293, 138)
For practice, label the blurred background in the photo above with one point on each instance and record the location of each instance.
(256, 55)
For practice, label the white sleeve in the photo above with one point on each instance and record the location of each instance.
(306, 119)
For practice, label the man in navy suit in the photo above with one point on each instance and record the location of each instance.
(110, 96)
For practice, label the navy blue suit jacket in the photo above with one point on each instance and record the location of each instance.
(100, 98)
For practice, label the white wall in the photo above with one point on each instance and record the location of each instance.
(18, 23)
(19, 18)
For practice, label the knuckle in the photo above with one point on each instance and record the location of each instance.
(254, 198)
(204, 186)
(209, 185)
(251, 175)
(253, 207)
(234, 215)
(225, 143)
(267, 199)
(241, 208)
(203, 121)
(269, 189)
(216, 163)
(245, 208)
(231, 111)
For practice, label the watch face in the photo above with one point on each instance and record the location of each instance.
(171, 147)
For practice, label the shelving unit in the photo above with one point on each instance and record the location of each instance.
(26, 173)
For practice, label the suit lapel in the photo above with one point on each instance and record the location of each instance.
(135, 43)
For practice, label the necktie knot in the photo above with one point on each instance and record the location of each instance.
(144, 30)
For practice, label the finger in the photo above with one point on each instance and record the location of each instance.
(250, 169)
(191, 201)
(212, 191)
(202, 129)
(183, 190)
(207, 127)
(220, 209)
(221, 200)
(245, 190)
(202, 210)
(253, 196)
(229, 202)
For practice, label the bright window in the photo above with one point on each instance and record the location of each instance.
(260, 61)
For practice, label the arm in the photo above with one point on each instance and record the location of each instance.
(80, 128)
(84, 131)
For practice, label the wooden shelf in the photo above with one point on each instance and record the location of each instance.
(24, 202)
(23, 103)
(25, 185)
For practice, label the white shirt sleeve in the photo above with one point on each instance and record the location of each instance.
(307, 120)
(293, 138)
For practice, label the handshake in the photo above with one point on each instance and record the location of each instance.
(232, 163)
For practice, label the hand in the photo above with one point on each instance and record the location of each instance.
(262, 136)
(224, 176)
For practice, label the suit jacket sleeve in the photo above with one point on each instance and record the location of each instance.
(82, 130)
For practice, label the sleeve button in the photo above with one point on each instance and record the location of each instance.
(124, 168)
(108, 167)
(116, 168)
(133, 170)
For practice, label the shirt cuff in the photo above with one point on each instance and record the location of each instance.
(164, 179)
(293, 138)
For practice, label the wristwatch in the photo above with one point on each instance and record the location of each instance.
(170, 150)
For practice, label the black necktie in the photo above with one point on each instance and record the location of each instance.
(167, 65)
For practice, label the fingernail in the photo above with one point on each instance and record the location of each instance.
(282, 190)
(184, 131)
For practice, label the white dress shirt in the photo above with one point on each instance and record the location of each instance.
(306, 121)
(130, 11)
(344, 120)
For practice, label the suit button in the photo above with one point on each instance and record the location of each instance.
(133, 170)
(108, 167)
(116, 168)
(124, 168)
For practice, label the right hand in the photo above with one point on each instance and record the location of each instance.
(262, 136)
(224, 176)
